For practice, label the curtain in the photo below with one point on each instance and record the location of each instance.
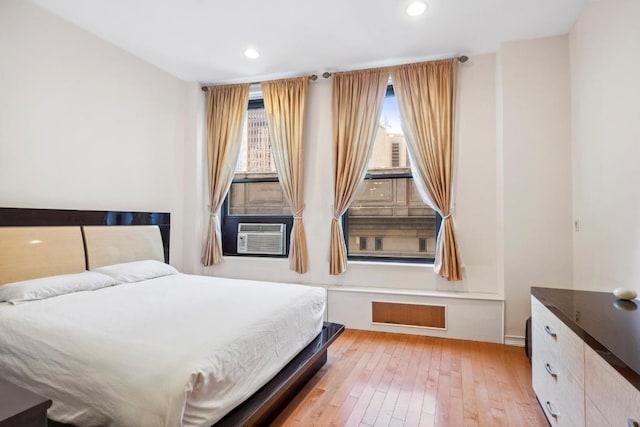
(357, 103)
(226, 109)
(426, 97)
(284, 104)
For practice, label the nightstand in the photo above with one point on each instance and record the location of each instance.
(21, 408)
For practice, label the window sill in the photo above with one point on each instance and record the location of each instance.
(417, 293)
(392, 263)
(255, 257)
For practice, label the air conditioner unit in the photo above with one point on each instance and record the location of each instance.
(265, 239)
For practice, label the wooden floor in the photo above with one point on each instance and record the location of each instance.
(382, 379)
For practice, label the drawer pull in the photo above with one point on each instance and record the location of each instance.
(632, 423)
(549, 331)
(553, 413)
(550, 371)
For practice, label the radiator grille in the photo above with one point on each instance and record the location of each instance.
(430, 316)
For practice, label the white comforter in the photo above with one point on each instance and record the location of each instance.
(175, 350)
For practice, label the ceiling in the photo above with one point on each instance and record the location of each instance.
(204, 40)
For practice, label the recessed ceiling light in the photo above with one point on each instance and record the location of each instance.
(416, 8)
(251, 53)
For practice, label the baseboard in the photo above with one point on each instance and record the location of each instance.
(514, 340)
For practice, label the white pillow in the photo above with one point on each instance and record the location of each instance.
(137, 270)
(51, 286)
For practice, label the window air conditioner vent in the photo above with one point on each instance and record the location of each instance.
(260, 228)
(268, 239)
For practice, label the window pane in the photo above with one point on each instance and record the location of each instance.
(378, 243)
(257, 198)
(390, 210)
(422, 244)
(363, 243)
(256, 163)
(255, 151)
(389, 148)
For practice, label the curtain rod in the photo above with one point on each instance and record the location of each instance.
(313, 77)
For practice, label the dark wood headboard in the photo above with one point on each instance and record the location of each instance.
(25, 217)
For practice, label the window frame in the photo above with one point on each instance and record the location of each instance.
(386, 258)
(229, 223)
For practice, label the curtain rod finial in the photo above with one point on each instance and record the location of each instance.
(313, 77)
(326, 74)
(462, 59)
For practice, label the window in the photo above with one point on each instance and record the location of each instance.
(363, 243)
(378, 243)
(255, 195)
(387, 204)
(395, 154)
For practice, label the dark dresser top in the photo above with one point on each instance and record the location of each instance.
(608, 325)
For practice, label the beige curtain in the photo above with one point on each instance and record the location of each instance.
(227, 106)
(284, 104)
(357, 103)
(426, 96)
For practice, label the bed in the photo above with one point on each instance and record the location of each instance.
(157, 347)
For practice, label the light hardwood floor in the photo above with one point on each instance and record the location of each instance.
(382, 379)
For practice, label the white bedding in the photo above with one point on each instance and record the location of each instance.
(175, 350)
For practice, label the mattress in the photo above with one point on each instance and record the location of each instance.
(174, 350)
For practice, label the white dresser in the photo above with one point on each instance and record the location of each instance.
(575, 384)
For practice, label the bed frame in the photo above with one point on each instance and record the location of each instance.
(20, 217)
(265, 404)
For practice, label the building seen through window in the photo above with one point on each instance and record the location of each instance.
(255, 152)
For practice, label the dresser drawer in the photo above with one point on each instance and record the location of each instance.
(616, 399)
(567, 347)
(559, 393)
(592, 415)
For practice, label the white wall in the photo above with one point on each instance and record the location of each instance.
(605, 42)
(476, 176)
(84, 125)
(535, 171)
(476, 200)
(195, 189)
